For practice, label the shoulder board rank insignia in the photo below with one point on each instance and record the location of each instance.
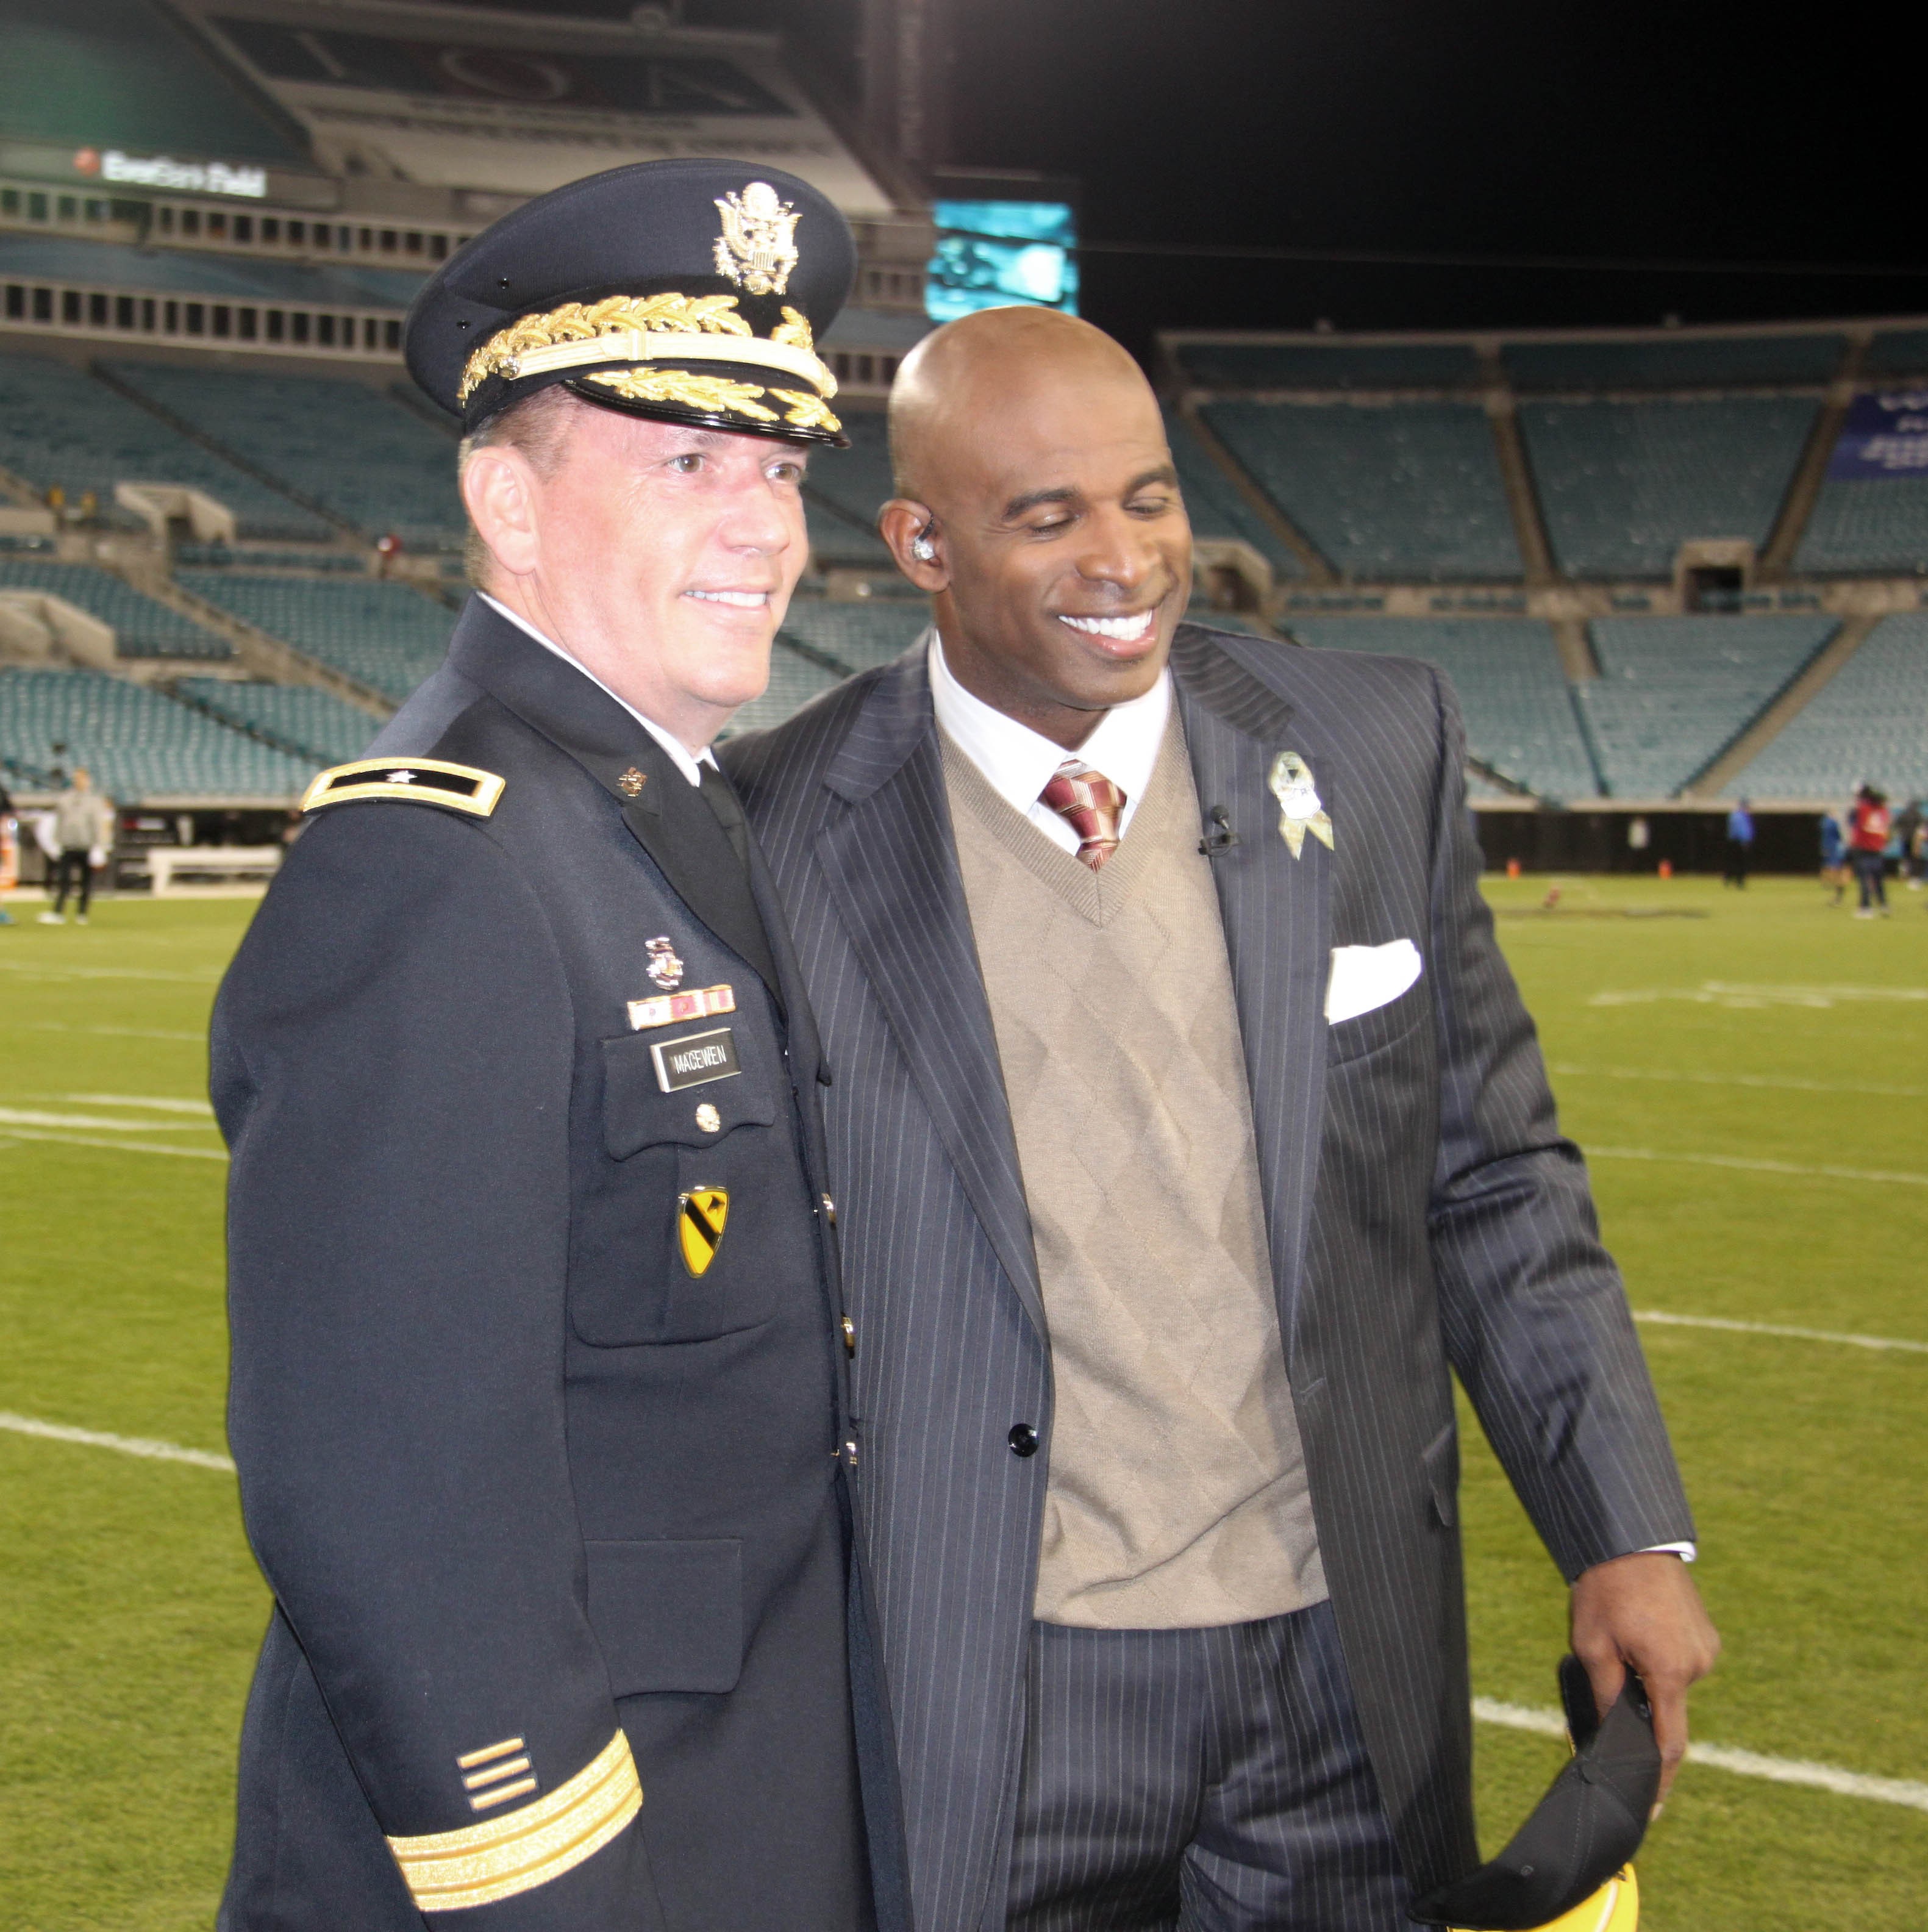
(426, 781)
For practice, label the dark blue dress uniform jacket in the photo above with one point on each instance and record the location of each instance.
(514, 1473)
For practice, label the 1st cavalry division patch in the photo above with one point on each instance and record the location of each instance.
(426, 781)
(700, 1214)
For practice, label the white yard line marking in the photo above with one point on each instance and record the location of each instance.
(1727, 993)
(128, 1445)
(113, 1147)
(120, 1033)
(1566, 1070)
(34, 970)
(200, 1107)
(1724, 1757)
(1758, 1166)
(1776, 1328)
(27, 1116)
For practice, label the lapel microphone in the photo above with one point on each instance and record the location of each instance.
(1221, 838)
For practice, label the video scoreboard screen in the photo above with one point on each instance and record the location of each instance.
(990, 254)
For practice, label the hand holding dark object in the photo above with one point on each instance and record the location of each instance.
(1642, 1611)
(1583, 1831)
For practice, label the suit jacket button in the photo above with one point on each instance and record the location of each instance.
(1024, 1439)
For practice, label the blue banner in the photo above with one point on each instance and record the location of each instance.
(1886, 434)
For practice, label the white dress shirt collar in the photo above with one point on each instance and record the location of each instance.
(1018, 764)
(692, 768)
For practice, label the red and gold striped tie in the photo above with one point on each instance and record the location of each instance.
(1090, 804)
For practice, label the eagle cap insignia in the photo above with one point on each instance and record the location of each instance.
(757, 248)
(1299, 811)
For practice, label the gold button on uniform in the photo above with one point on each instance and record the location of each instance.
(850, 1337)
(709, 1119)
(829, 1210)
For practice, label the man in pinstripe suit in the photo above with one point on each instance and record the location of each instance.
(1188, 1125)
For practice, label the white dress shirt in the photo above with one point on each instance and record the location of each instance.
(692, 768)
(1018, 763)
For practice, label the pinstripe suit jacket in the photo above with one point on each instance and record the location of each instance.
(1422, 1206)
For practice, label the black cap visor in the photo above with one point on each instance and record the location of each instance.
(1587, 1826)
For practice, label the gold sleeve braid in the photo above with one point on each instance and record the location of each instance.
(481, 1863)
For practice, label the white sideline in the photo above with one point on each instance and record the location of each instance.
(128, 1445)
(1755, 1166)
(1566, 1067)
(113, 1147)
(1776, 1328)
(1487, 1710)
(1725, 1757)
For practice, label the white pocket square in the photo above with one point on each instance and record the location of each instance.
(1366, 976)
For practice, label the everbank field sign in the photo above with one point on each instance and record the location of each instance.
(177, 177)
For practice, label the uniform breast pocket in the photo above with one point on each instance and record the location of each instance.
(677, 1241)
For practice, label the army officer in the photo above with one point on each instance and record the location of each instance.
(539, 1381)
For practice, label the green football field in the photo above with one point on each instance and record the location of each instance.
(1746, 1073)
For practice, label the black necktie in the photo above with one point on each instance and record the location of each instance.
(722, 801)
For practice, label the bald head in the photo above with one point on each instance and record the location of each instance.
(972, 375)
(1038, 505)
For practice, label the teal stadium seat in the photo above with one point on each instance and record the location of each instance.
(1338, 365)
(1215, 508)
(858, 636)
(78, 71)
(359, 454)
(1869, 721)
(143, 628)
(1624, 485)
(1673, 691)
(59, 426)
(314, 723)
(139, 745)
(846, 490)
(385, 635)
(1867, 522)
(1401, 490)
(1674, 362)
(1519, 715)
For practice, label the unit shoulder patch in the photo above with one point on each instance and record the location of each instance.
(424, 780)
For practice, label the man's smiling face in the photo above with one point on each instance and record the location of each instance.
(662, 556)
(1059, 527)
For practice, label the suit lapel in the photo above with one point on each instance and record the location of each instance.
(1277, 914)
(890, 861)
(668, 817)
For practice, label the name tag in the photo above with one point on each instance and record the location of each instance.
(695, 1059)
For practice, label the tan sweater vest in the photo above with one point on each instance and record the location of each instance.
(1177, 1496)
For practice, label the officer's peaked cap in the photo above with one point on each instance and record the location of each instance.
(694, 290)
(1573, 1850)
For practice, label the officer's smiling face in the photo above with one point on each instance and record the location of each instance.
(1063, 555)
(662, 556)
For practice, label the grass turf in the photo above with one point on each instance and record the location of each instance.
(1769, 1029)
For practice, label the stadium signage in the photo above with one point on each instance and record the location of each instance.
(1885, 434)
(161, 171)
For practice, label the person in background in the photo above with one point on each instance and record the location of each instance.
(83, 830)
(1833, 856)
(9, 853)
(1868, 828)
(1740, 843)
(1910, 829)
